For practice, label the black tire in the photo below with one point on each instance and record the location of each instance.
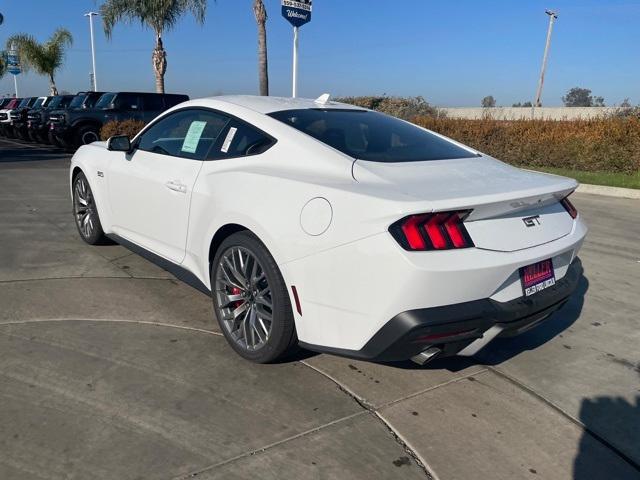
(85, 212)
(53, 140)
(86, 135)
(281, 340)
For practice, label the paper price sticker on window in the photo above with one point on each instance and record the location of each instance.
(191, 141)
(228, 140)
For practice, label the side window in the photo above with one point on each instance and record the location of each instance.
(186, 134)
(128, 101)
(240, 140)
(153, 103)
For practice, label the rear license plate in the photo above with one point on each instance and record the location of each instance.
(537, 277)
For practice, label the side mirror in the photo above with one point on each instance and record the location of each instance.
(119, 143)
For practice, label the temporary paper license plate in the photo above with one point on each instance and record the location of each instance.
(537, 277)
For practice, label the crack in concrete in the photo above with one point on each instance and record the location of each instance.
(420, 462)
(260, 450)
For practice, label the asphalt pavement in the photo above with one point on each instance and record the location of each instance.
(111, 368)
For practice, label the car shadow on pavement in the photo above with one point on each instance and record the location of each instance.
(615, 423)
(502, 349)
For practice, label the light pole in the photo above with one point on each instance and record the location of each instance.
(552, 18)
(93, 49)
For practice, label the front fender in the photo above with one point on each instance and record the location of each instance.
(92, 160)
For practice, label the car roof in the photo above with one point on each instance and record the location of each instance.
(276, 104)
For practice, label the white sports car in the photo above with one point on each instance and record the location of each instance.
(335, 228)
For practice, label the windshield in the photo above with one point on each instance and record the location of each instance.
(105, 101)
(77, 101)
(24, 102)
(38, 103)
(55, 102)
(372, 136)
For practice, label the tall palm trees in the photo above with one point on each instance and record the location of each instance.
(263, 72)
(159, 16)
(45, 58)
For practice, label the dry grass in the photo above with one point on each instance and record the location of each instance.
(599, 145)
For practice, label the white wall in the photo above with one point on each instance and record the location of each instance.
(519, 113)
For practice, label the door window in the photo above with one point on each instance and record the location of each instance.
(185, 134)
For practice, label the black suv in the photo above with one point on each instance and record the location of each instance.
(20, 117)
(57, 118)
(38, 119)
(13, 128)
(80, 127)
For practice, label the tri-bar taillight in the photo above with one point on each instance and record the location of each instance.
(568, 206)
(432, 231)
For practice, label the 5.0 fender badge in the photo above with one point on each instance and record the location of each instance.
(100, 174)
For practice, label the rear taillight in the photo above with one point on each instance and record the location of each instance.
(432, 231)
(568, 206)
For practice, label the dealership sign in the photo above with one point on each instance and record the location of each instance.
(297, 12)
(13, 63)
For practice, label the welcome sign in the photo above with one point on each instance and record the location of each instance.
(297, 12)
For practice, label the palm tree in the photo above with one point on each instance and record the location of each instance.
(263, 69)
(45, 58)
(159, 15)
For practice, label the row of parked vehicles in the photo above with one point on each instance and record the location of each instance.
(70, 121)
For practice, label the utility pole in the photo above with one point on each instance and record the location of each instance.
(295, 62)
(93, 49)
(552, 18)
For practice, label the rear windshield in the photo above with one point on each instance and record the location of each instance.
(371, 136)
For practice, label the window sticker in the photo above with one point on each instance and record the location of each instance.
(228, 140)
(191, 141)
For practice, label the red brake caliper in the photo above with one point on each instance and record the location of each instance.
(236, 291)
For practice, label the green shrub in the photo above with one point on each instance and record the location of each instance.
(604, 145)
(401, 107)
(130, 128)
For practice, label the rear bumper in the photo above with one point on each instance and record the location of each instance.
(451, 328)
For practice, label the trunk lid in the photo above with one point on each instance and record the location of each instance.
(512, 208)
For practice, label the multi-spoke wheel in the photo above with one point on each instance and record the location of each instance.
(85, 211)
(251, 299)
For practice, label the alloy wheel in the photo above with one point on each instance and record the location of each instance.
(244, 300)
(84, 207)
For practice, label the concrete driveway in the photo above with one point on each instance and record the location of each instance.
(110, 368)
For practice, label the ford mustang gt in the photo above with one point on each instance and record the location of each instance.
(333, 227)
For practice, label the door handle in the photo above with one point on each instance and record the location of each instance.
(176, 186)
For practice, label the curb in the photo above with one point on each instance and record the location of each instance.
(609, 191)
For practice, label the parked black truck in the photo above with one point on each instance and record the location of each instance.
(38, 119)
(20, 117)
(80, 126)
(58, 124)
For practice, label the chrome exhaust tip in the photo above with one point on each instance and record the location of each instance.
(427, 355)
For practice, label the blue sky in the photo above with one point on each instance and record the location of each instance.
(451, 52)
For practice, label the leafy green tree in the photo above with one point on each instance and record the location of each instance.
(158, 15)
(488, 102)
(260, 13)
(578, 97)
(524, 104)
(598, 102)
(626, 103)
(45, 58)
